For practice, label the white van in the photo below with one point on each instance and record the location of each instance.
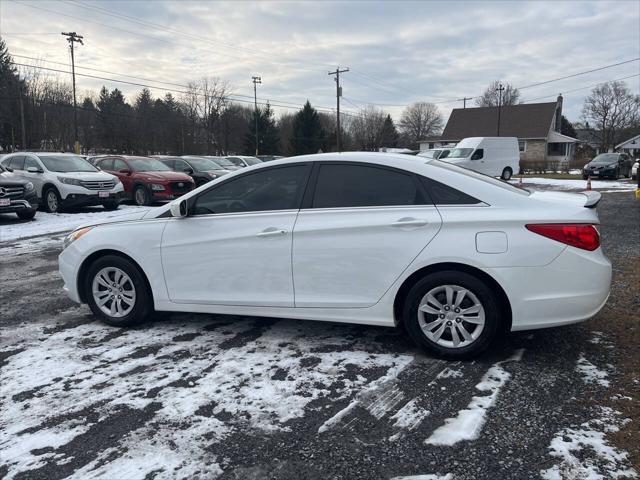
(493, 156)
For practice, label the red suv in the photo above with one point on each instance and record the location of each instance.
(146, 180)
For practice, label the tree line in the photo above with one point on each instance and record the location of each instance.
(36, 112)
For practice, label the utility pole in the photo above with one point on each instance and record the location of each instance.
(72, 38)
(24, 132)
(338, 95)
(464, 101)
(500, 89)
(256, 81)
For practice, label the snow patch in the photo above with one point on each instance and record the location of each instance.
(428, 476)
(590, 373)
(576, 448)
(408, 418)
(468, 424)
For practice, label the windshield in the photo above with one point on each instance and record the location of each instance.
(480, 176)
(444, 153)
(204, 164)
(428, 154)
(459, 153)
(252, 160)
(148, 165)
(223, 161)
(66, 163)
(606, 158)
(235, 161)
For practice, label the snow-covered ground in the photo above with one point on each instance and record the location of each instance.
(49, 223)
(578, 184)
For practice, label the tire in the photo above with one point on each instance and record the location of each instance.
(506, 174)
(51, 200)
(479, 335)
(135, 301)
(112, 205)
(26, 214)
(141, 196)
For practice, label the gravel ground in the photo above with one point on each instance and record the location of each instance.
(202, 396)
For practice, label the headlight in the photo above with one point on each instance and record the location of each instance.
(157, 187)
(28, 187)
(73, 236)
(70, 181)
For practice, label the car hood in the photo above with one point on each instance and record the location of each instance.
(601, 165)
(164, 176)
(119, 217)
(88, 176)
(8, 179)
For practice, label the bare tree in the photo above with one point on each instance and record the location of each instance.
(491, 96)
(610, 109)
(419, 121)
(366, 128)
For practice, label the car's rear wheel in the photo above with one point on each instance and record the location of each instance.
(141, 196)
(452, 314)
(26, 214)
(51, 200)
(506, 174)
(117, 292)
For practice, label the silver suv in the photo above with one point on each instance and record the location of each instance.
(64, 180)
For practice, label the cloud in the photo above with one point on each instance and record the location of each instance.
(398, 52)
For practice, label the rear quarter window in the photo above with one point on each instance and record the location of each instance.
(442, 194)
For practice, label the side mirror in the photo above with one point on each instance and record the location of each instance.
(33, 170)
(8, 169)
(188, 171)
(125, 171)
(179, 209)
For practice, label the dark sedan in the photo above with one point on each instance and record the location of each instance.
(608, 165)
(17, 196)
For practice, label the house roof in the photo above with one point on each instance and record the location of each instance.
(527, 120)
(632, 142)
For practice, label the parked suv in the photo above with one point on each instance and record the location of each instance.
(17, 196)
(202, 170)
(608, 165)
(146, 180)
(64, 180)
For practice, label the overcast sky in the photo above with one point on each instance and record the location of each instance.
(398, 52)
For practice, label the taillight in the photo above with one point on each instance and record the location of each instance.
(579, 235)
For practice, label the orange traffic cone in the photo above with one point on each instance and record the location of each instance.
(588, 183)
(520, 182)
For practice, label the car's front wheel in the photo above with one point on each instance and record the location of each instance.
(452, 314)
(117, 292)
(52, 200)
(111, 205)
(506, 174)
(26, 214)
(141, 196)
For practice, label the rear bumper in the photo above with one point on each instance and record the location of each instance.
(571, 289)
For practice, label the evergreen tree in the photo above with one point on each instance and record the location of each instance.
(308, 134)
(11, 87)
(268, 134)
(389, 134)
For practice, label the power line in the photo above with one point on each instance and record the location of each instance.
(583, 88)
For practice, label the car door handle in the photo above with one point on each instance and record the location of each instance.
(409, 222)
(271, 232)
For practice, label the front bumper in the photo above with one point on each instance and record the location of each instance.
(572, 288)
(85, 200)
(19, 205)
(603, 172)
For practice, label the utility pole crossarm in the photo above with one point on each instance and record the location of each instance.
(337, 73)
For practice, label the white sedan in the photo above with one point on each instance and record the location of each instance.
(381, 239)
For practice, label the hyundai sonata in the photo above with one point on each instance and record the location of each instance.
(380, 239)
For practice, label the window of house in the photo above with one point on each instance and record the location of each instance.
(522, 145)
(343, 185)
(556, 149)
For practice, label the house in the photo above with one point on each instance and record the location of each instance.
(536, 125)
(630, 147)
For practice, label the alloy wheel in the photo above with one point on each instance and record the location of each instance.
(451, 316)
(114, 292)
(141, 196)
(52, 201)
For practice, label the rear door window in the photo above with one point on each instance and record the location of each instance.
(352, 185)
(17, 162)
